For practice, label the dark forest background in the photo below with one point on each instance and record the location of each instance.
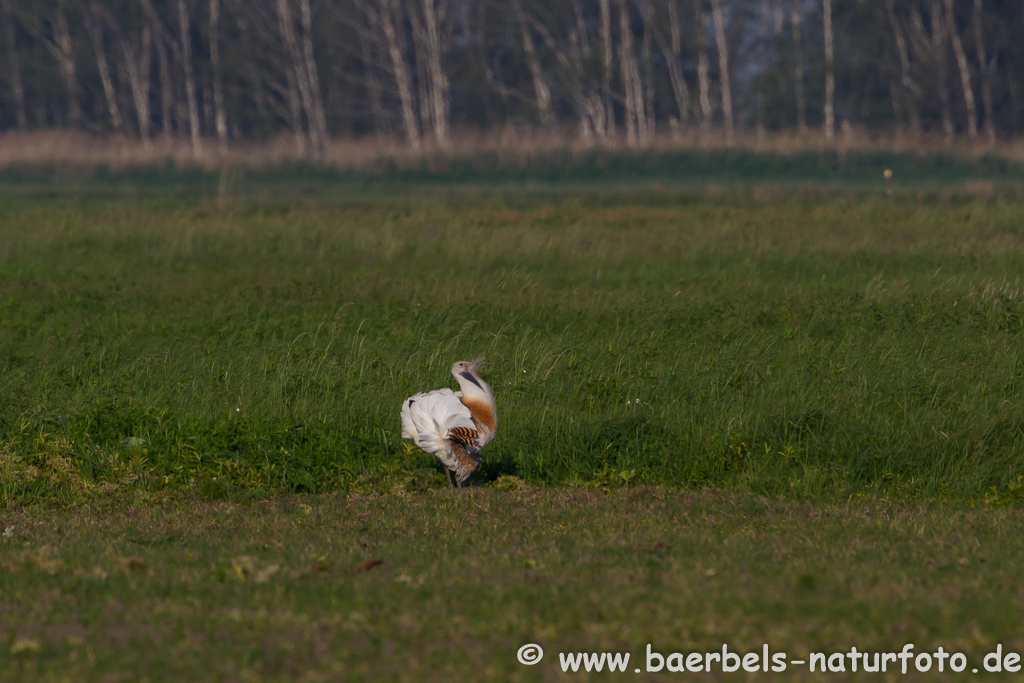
(423, 72)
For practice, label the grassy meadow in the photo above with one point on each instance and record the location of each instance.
(783, 347)
(287, 589)
(737, 411)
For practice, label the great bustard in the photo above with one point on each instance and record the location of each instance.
(454, 426)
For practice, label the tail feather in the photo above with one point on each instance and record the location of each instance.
(428, 419)
(431, 442)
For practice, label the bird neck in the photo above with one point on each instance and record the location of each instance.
(479, 391)
(480, 402)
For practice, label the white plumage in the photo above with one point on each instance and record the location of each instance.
(453, 425)
(428, 418)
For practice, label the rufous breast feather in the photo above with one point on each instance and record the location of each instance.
(482, 413)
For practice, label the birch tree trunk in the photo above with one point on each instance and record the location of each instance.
(220, 119)
(166, 94)
(723, 67)
(586, 96)
(594, 115)
(65, 55)
(430, 59)
(185, 28)
(422, 79)
(986, 75)
(930, 47)
(965, 72)
(58, 43)
(798, 66)
(936, 46)
(161, 39)
(910, 91)
(318, 118)
(630, 86)
(137, 67)
(301, 75)
(400, 68)
(648, 125)
(94, 27)
(542, 92)
(14, 66)
(675, 72)
(607, 57)
(296, 84)
(830, 72)
(435, 14)
(703, 81)
(294, 108)
(768, 12)
(372, 85)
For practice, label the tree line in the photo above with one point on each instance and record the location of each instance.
(417, 70)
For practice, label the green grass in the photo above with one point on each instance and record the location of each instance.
(787, 415)
(606, 177)
(779, 347)
(861, 168)
(273, 591)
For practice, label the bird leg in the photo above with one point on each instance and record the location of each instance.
(448, 478)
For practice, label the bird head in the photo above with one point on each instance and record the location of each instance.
(468, 371)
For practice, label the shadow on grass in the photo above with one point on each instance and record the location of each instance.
(490, 470)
